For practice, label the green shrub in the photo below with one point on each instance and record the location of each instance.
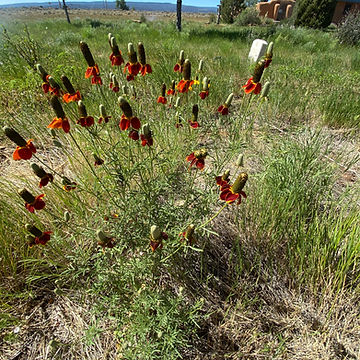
(230, 9)
(349, 30)
(248, 17)
(316, 14)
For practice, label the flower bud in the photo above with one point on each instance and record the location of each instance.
(67, 84)
(177, 103)
(132, 54)
(38, 171)
(269, 50)
(57, 143)
(27, 196)
(125, 107)
(110, 35)
(205, 84)
(163, 90)
(239, 182)
(113, 42)
(42, 72)
(66, 216)
(201, 64)
(53, 83)
(56, 105)
(226, 175)
(155, 232)
(125, 90)
(14, 136)
(87, 54)
(82, 109)
(33, 230)
(104, 239)
(187, 70)
(102, 111)
(265, 90)
(229, 100)
(181, 57)
(31, 241)
(133, 91)
(189, 233)
(114, 81)
(258, 71)
(240, 160)
(195, 112)
(141, 52)
(146, 130)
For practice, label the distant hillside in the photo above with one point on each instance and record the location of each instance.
(143, 6)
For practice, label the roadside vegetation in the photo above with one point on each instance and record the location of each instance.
(273, 277)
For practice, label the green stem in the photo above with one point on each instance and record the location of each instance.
(212, 218)
(94, 173)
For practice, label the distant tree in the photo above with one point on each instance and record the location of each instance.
(230, 9)
(315, 13)
(121, 4)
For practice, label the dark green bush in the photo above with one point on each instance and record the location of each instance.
(316, 14)
(349, 30)
(248, 17)
(230, 9)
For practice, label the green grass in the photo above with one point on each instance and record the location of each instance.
(299, 222)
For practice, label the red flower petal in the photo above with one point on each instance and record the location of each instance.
(124, 123)
(200, 164)
(134, 135)
(190, 157)
(135, 123)
(24, 153)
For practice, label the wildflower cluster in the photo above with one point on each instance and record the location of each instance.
(170, 100)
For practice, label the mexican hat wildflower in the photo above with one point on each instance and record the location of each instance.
(32, 202)
(72, 94)
(37, 236)
(179, 65)
(133, 67)
(128, 120)
(92, 71)
(146, 136)
(204, 93)
(104, 117)
(145, 68)
(184, 85)
(105, 240)
(68, 185)
(45, 177)
(193, 122)
(188, 234)
(253, 85)
(84, 120)
(269, 55)
(171, 91)
(231, 193)
(115, 56)
(156, 238)
(24, 149)
(162, 99)
(224, 108)
(197, 158)
(60, 121)
(223, 179)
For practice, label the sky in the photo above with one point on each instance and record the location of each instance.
(213, 3)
